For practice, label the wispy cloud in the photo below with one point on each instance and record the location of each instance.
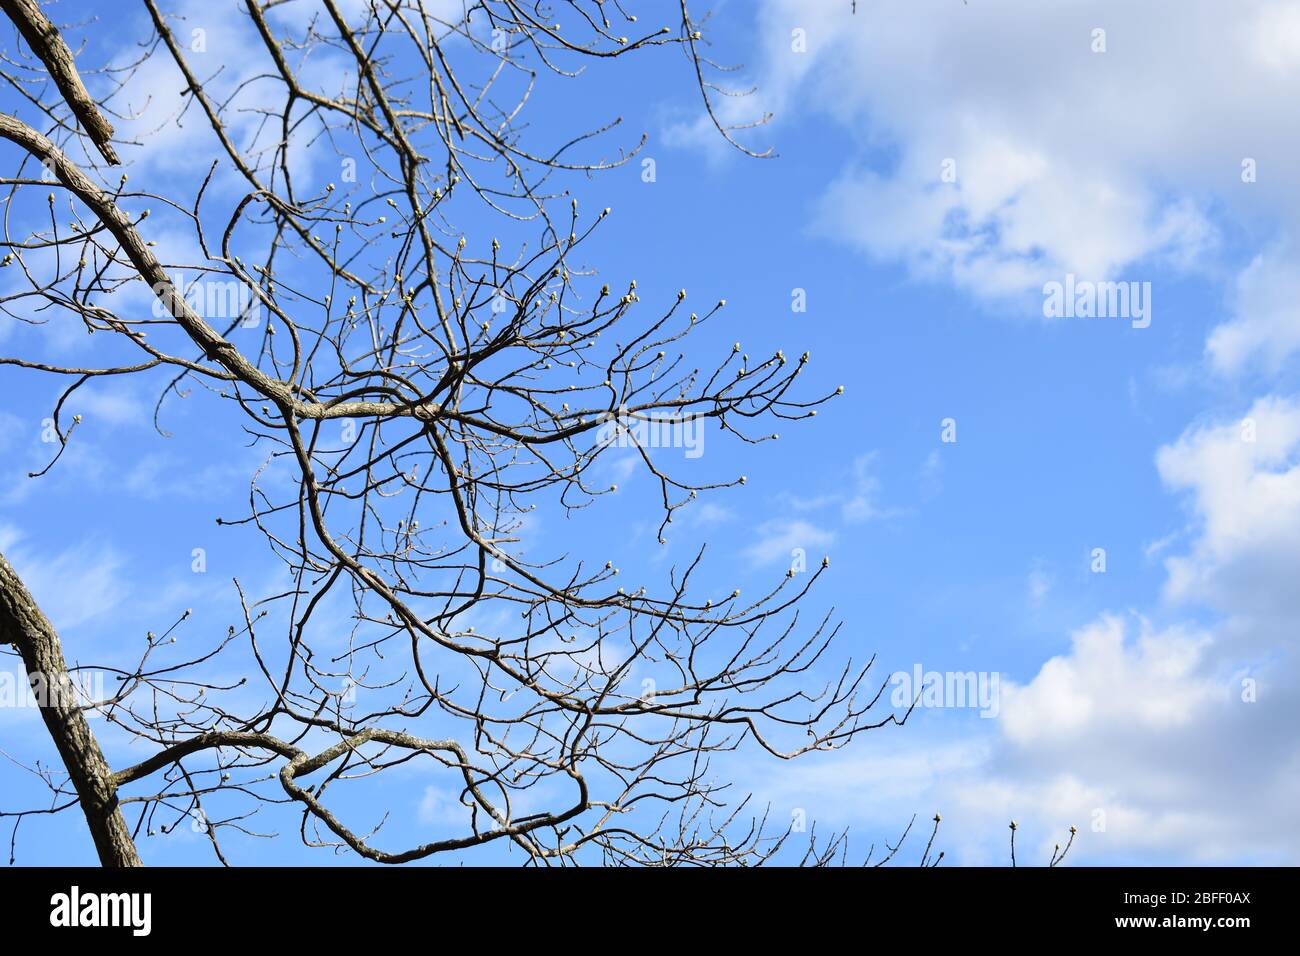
(779, 539)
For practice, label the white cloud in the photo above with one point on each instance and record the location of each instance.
(1105, 685)
(75, 586)
(1039, 585)
(440, 808)
(1137, 736)
(864, 503)
(861, 502)
(1066, 160)
(708, 513)
(112, 401)
(1245, 498)
(1153, 740)
(1170, 744)
(1148, 743)
(1266, 322)
(1179, 741)
(777, 539)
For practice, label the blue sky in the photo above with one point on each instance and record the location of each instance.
(1121, 704)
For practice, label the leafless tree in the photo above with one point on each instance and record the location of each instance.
(431, 359)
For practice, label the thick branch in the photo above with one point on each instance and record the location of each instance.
(47, 43)
(24, 625)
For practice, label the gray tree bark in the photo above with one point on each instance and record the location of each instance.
(47, 43)
(23, 625)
